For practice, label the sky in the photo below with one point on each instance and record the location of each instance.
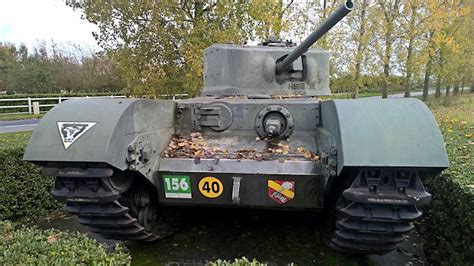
(33, 21)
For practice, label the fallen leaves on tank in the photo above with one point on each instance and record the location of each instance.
(195, 146)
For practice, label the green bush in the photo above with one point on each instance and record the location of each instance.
(449, 224)
(30, 246)
(24, 192)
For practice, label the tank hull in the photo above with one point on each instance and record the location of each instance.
(120, 169)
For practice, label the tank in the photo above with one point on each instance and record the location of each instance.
(257, 137)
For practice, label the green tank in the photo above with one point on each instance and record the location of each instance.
(257, 137)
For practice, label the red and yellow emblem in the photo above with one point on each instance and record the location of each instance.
(281, 191)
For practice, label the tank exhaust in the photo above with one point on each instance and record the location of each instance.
(332, 20)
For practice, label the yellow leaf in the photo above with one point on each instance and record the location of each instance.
(468, 135)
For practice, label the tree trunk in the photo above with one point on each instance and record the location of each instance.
(386, 63)
(456, 89)
(411, 41)
(386, 73)
(426, 83)
(360, 49)
(448, 87)
(408, 85)
(438, 88)
(355, 95)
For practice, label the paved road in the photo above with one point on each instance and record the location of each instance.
(18, 125)
(401, 95)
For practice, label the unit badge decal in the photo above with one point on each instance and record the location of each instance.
(281, 191)
(71, 131)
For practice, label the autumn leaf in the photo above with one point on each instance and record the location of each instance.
(52, 239)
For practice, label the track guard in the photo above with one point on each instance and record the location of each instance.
(384, 133)
(125, 133)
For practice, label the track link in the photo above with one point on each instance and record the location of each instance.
(377, 210)
(130, 215)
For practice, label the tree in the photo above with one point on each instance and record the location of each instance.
(448, 24)
(361, 31)
(54, 69)
(390, 11)
(411, 23)
(159, 47)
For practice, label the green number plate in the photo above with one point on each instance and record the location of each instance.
(177, 186)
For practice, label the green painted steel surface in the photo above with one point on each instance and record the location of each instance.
(384, 133)
(118, 123)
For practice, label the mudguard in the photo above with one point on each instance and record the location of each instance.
(384, 133)
(124, 133)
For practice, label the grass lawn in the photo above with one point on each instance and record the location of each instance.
(18, 117)
(455, 116)
(448, 222)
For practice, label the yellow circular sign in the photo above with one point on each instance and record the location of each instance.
(211, 187)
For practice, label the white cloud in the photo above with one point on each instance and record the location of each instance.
(23, 21)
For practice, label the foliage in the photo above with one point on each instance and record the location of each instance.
(159, 47)
(24, 191)
(29, 246)
(448, 226)
(54, 69)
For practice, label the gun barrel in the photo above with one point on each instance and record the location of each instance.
(332, 20)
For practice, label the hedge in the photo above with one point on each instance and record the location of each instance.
(24, 192)
(449, 223)
(20, 245)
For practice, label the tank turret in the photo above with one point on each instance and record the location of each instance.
(273, 68)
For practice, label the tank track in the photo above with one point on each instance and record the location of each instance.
(376, 212)
(130, 215)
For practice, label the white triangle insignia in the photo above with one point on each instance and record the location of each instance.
(71, 131)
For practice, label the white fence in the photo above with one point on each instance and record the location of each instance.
(27, 104)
